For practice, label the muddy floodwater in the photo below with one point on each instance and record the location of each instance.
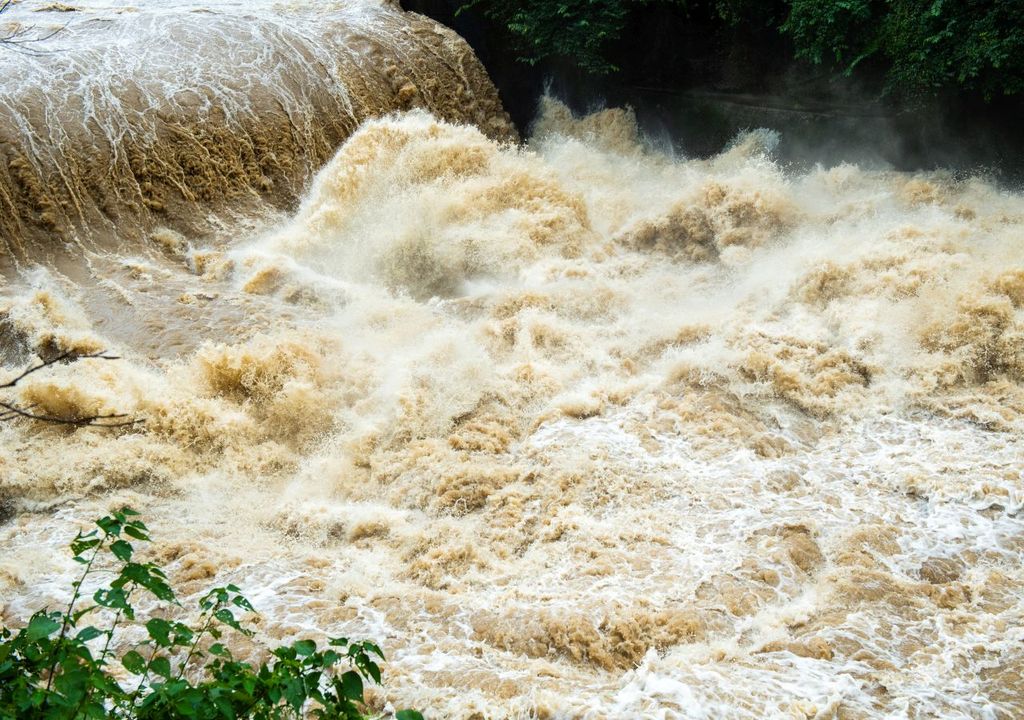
(573, 427)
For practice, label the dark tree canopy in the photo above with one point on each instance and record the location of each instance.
(924, 45)
(917, 47)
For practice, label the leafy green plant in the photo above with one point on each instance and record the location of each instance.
(578, 30)
(922, 46)
(916, 47)
(58, 667)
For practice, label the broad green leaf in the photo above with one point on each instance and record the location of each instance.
(115, 598)
(352, 686)
(228, 618)
(134, 662)
(95, 711)
(409, 715)
(122, 550)
(285, 653)
(89, 633)
(225, 709)
(79, 614)
(80, 546)
(134, 531)
(295, 694)
(161, 666)
(109, 526)
(40, 626)
(148, 576)
(374, 671)
(159, 630)
(183, 634)
(304, 648)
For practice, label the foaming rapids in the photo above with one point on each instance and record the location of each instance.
(576, 429)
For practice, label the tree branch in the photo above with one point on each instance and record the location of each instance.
(20, 40)
(10, 411)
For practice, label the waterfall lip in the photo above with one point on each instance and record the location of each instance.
(186, 115)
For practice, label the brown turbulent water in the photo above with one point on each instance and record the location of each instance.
(574, 428)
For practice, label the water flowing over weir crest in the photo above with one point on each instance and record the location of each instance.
(165, 116)
(577, 429)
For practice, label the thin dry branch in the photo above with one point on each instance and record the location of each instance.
(67, 356)
(21, 39)
(10, 411)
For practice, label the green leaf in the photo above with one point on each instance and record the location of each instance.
(159, 630)
(225, 708)
(285, 653)
(304, 648)
(89, 633)
(148, 576)
(228, 618)
(79, 546)
(295, 695)
(352, 686)
(114, 598)
(134, 662)
(161, 666)
(40, 626)
(183, 634)
(409, 715)
(135, 532)
(94, 711)
(79, 614)
(122, 550)
(109, 526)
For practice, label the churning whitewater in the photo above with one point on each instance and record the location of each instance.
(576, 429)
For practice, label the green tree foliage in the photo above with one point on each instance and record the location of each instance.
(575, 29)
(918, 46)
(58, 667)
(925, 45)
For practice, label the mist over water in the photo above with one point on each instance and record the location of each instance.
(575, 429)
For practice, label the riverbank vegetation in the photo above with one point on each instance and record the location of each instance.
(60, 667)
(910, 48)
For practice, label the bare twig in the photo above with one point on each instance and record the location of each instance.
(68, 356)
(22, 39)
(10, 411)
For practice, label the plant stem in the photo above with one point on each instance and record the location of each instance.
(68, 613)
(195, 644)
(106, 648)
(110, 632)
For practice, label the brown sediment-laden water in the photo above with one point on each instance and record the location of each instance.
(574, 428)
